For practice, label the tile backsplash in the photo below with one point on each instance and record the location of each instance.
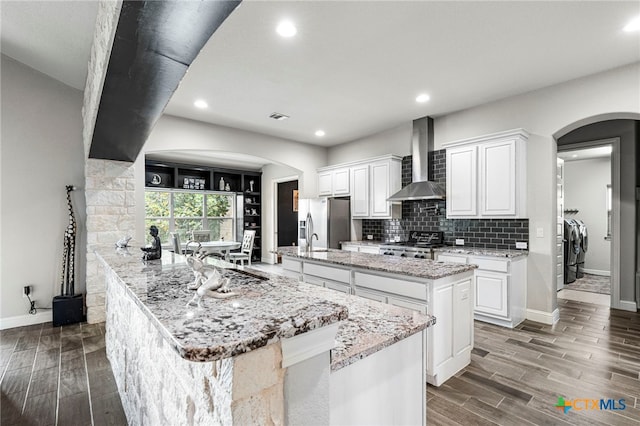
(430, 215)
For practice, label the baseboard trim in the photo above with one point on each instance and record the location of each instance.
(28, 319)
(543, 317)
(628, 305)
(597, 272)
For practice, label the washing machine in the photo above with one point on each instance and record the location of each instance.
(571, 250)
(584, 245)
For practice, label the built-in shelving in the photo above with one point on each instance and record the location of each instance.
(246, 184)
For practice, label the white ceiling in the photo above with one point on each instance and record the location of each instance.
(53, 37)
(354, 67)
(585, 153)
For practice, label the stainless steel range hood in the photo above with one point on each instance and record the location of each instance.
(421, 144)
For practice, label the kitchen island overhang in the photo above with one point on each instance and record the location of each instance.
(241, 374)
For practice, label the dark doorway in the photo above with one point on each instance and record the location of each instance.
(287, 217)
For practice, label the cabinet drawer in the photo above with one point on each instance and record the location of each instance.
(392, 285)
(454, 259)
(334, 274)
(420, 307)
(349, 247)
(310, 279)
(490, 264)
(291, 265)
(338, 286)
(370, 295)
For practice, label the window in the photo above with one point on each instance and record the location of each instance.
(186, 211)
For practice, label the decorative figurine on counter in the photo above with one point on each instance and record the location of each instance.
(208, 281)
(154, 251)
(123, 242)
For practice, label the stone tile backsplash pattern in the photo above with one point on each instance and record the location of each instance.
(421, 215)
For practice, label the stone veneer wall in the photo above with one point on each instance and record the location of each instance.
(110, 198)
(419, 216)
(158, 387)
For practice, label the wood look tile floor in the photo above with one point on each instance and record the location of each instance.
(62, 376)
(57, 376)
(516, 376)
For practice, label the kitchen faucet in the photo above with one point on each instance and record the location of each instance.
(310, 234)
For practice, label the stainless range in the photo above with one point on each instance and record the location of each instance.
(420, 245)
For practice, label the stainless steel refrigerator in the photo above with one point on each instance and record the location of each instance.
(331, 221)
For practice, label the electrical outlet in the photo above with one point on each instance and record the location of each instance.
(539, 232)
(521, 245)
(459, 241)
(26, 291)
(369, 237)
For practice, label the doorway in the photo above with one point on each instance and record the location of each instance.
(286, 212)
(585, 221)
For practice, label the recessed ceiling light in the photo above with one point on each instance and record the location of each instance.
(574, 156)
(200, 104)
(320, 133)
(422, 98)
(286, 29)
(633, 25)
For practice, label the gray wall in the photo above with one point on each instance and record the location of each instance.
(626, 130)
(42, 152)
(547, 113)
(585, 189)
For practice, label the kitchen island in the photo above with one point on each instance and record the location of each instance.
(441, 289)
(276, 351)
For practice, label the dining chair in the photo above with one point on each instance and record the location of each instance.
(201, 236)
(245, 250)
(174, 237)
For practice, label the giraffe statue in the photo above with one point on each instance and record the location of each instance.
(67, 285)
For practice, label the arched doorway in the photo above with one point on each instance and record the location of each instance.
(624, 130)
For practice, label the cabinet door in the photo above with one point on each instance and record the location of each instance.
(325, 183)
(360, 191)
(462, 187)
(462, 317)
(442, 340)
(498, 178)
(341, 182)
(380, 180)
(420, 307)
(491, 293)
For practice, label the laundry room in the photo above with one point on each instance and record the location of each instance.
(587, 213)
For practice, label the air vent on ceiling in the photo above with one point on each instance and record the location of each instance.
(278, 116)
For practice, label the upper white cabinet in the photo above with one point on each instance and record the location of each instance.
(368, 182)
(334, 181)
(486, 176)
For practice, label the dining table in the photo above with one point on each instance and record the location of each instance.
(210, 247)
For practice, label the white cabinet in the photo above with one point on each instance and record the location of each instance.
(373, 183)
(486, 176)
(500, 287)
(462, 181)
(327, 276)
(362, 248)
(334, 181)
(449, 300)
(368, 182)
(360, 195)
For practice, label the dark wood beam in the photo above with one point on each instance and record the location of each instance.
(154, 45)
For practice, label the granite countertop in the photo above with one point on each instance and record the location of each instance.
(476, 251)
(262, 311)
(420, 268)
(267, 308)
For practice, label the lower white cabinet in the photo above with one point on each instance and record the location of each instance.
(500, 286)
(362, 248)
(327, 276)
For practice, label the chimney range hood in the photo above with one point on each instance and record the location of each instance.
(421, 144)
